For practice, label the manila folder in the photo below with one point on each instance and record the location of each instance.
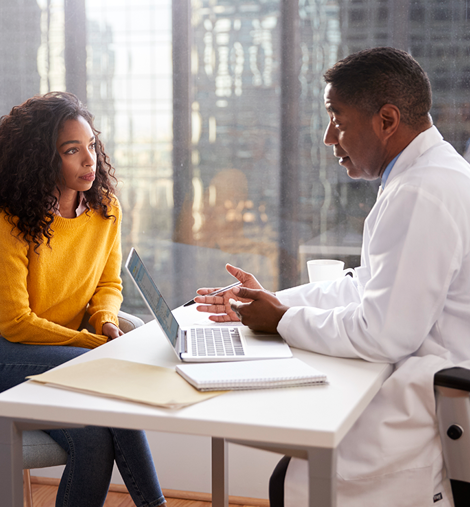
(126, 380)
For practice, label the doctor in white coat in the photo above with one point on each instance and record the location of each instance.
(410, 302)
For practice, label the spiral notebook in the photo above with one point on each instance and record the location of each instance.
(265, 374)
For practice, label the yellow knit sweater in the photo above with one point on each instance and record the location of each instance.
(43, 297)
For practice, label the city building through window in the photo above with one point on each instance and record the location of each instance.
(212, 113)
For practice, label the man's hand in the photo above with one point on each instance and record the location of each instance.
(263, 313)
(111, 331)
(220, 304)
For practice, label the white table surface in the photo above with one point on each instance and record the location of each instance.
(314, 416)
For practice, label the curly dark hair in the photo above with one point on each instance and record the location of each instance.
(371, 78)
(30, 166)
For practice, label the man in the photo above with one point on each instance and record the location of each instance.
(410, 302)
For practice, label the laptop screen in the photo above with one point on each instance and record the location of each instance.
(152, 296)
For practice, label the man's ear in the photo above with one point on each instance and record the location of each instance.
(389, 116)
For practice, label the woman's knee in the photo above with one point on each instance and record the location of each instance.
(20, 360)
(91, 442)
(24, 355)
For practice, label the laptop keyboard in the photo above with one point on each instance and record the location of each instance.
(216, 341)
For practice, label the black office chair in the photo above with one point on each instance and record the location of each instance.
(452, 386)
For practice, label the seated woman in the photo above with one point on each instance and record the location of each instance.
(60, 262)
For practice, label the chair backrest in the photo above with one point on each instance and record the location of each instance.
(452, 387)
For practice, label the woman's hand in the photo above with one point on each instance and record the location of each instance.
(111, 331)
(220, 304)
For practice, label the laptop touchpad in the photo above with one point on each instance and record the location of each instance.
(255, 339)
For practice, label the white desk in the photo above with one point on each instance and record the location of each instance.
(306, 421)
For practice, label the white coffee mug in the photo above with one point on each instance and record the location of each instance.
(326, 269)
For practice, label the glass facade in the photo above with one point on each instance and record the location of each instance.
(212, 113)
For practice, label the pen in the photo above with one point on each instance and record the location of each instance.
(219, 291)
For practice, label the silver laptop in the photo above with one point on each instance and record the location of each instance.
(199, 343)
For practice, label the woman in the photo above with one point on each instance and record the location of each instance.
(60, 261)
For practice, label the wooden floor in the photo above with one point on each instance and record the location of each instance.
(44, 496)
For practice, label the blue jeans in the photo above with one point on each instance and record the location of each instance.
(92, 450)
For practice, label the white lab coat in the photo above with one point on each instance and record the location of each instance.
(409, 305)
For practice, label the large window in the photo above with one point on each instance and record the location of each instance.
(212, 112)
